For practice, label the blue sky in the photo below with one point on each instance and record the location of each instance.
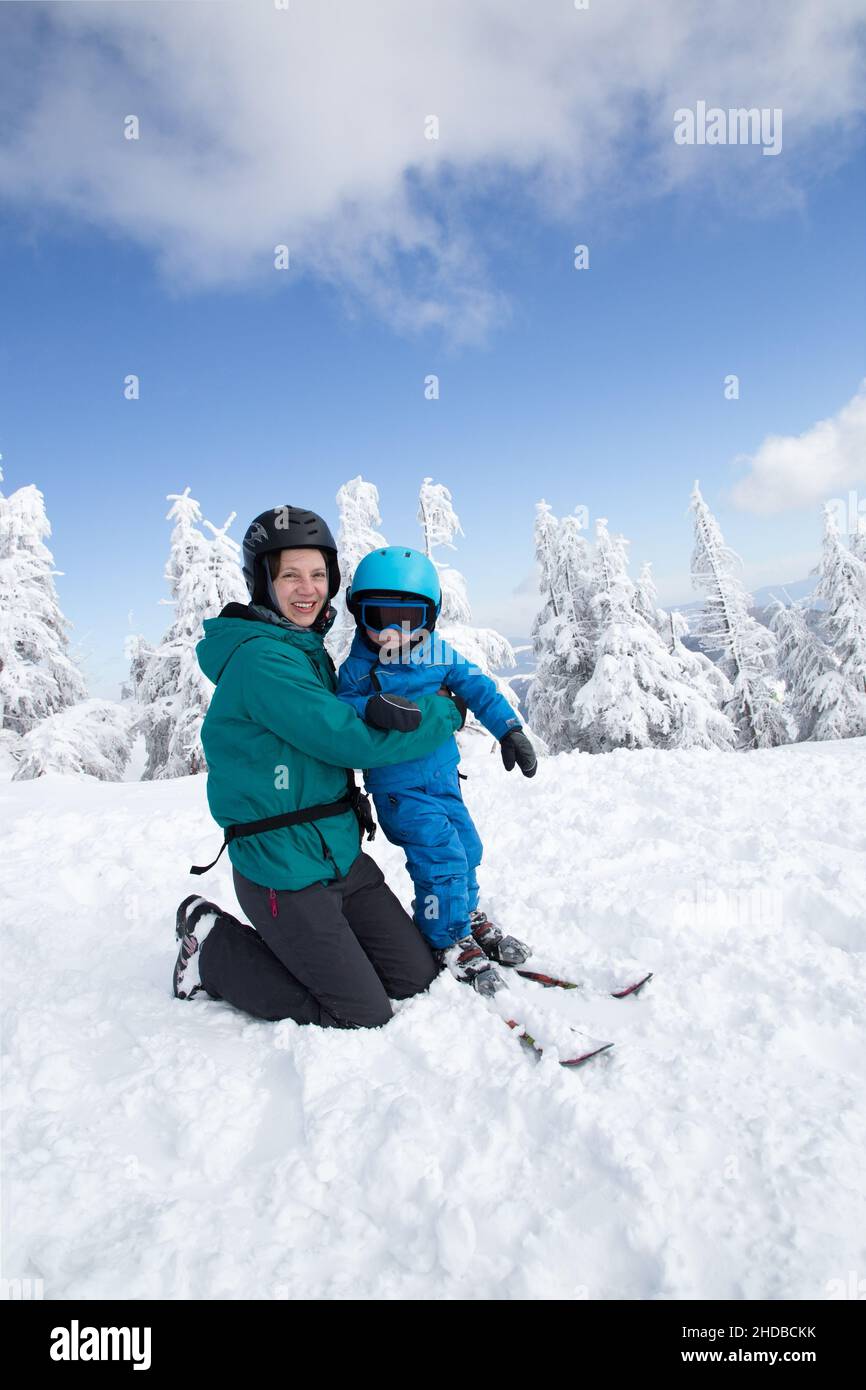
(601, 388)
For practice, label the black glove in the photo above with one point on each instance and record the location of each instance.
(516, 748)
(392, 712)
(458, 700)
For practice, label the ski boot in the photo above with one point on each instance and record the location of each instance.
(468, 963)
(195, 917)
(505, 950)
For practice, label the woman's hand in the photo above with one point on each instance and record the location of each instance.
(459, 701)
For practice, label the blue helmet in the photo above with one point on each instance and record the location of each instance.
(397, 572)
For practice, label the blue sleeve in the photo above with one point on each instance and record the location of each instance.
(482, 696)
(354, 686)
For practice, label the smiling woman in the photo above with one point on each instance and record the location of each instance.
(300, 582)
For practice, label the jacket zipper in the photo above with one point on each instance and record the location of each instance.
(324, 844)
(273, 897)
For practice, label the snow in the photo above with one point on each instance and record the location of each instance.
(162, 1149)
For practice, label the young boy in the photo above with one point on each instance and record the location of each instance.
(395, 600)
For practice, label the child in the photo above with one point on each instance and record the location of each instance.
(395, 600)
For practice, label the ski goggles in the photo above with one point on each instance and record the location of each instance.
(409, 615)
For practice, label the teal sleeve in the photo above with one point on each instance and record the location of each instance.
(354, 685)
(290, 701)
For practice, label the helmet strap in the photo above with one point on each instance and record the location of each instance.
(271, 601)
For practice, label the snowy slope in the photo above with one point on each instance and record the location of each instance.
(154, 1148)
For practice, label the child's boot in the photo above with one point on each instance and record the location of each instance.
(505, 950)
(468, 963)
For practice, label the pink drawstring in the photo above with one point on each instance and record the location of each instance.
(273, 902)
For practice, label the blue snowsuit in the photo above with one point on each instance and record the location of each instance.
(418, 803)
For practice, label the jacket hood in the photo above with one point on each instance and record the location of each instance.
(236, 624)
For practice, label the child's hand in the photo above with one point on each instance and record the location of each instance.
(392, 712)
(516, 748)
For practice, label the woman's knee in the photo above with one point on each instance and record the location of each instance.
(366, 1016)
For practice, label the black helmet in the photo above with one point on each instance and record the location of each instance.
(285, 528)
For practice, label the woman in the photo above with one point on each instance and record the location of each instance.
(331, 944)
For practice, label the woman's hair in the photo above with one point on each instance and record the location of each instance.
(275, 557)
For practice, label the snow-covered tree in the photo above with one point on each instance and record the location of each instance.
(806, 665)
(636, 696)
(646, 601)
(137, 652)
(226, 583)
(172, 690)
(857, 541)
(563, 630)
(439, 521)
(358, 507)
(439, 524)
(697, 668)
(840, 693)
(485, 647)
(90, 737)
(37, 676)
(748, 649)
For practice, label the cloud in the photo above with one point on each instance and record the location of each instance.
(305, 126)
(794, 471)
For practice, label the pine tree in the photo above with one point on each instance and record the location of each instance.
(483, 646)
(564, 629)
(805, 664)
(748, 650)
(857, 541)
(173, 691)
(840, 693)
(37, 676)
(697, 669)
(636, 697)
(91, 737)
(137, 652)
(646, 601)
(226, 583)
(358, 506)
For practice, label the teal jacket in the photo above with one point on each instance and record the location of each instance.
(276, 738)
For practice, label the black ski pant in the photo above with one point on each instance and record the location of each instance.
(334, 953)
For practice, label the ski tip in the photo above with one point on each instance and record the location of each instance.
(585, 1057)
(633, 988)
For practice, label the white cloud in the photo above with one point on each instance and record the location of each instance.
(790, 471)
(306, 126)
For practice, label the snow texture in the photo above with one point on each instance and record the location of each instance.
(162, 1149)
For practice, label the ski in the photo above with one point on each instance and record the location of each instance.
(556, 982)
(591, 1047)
